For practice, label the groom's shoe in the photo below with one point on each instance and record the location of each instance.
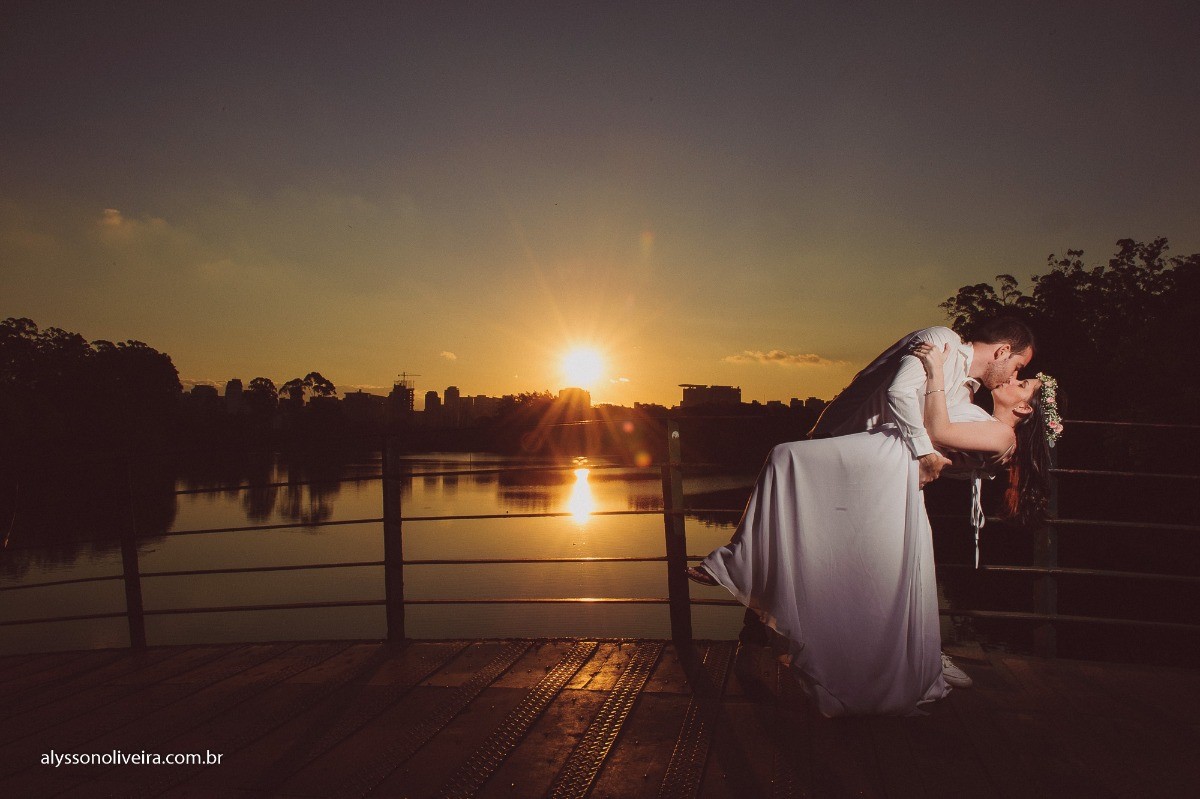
(754, 632)
(953, 675)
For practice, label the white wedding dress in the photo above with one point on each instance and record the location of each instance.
(835, 552)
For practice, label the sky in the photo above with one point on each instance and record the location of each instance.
(755, 194)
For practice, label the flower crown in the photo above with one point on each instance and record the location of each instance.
(1054, 425)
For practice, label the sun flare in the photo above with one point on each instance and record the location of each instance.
(582, 502)
(582, 367)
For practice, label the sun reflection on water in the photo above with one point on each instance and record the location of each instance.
(582, 502)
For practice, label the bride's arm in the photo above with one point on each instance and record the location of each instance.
(983, 437)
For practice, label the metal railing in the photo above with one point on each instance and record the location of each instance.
(1044, 570)
(394, 600)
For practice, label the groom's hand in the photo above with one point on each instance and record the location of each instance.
(931, 466)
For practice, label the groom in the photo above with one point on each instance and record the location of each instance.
(892, 389)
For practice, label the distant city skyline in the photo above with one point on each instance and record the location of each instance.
(710, 393)
(761, 195)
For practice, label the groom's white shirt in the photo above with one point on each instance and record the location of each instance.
(892, 389)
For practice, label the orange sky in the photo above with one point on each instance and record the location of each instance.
(760, 198)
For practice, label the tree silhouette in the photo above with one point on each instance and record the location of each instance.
(1117, 335)
(312, 383)
(261, 396)
(320, 386)
(56, 388)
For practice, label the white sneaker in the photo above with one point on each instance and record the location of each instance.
(953, 674)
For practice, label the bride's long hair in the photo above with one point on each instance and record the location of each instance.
(1029, 474)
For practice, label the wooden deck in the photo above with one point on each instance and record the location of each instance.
(575, 718)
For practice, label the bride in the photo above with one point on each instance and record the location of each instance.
(835, 552)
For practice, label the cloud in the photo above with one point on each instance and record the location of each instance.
(620, 380)
(449, 356)
(780, 358)
(116, 228)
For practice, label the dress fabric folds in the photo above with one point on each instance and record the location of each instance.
(835, 552)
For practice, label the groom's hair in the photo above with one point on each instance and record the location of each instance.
(1003, 330)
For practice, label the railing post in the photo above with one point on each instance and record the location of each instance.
(677, 583)
(1045, 555)
(393, 541)
(134, 610)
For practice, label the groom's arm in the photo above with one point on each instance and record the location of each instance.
(906, 400)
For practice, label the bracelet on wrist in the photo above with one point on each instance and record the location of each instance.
(934, 391)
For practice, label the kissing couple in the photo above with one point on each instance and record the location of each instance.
(834, 551)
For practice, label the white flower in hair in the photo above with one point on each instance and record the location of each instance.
(1054, 423)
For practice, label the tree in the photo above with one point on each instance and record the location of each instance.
(262, 393)
(312, 383)
(57, 388)
(1116, 335)
(320, 386)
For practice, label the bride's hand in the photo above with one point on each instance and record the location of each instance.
(932, 357)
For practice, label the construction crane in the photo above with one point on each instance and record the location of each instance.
(404, 381)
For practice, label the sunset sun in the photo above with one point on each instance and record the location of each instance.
(582, 367)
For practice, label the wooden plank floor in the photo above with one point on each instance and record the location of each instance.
(568, 718)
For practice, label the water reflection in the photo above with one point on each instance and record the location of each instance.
(582, 502)
(246, 492)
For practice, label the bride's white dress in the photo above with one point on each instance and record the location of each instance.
(836, 553)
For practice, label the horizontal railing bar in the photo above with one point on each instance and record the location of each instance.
(544, 515)
(983, 614)
(62, 582)
(601, 600)
(249, 569)
(562, 514)
(1070, 571)
(1101, 422)
(479, 561)
(172, 533)
(1107, 473)
(1054, 618)
(419, 562)
(614, 559)
(292, 606)
(293, 525)
(85, 617)
(375, 602)
(403, 475)
(1185, 528)
(547, 468)
(297, 525)
(579, 600)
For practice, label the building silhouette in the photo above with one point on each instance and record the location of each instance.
(575, 404)
(814, 404)
(233, 396)
(482, 406)
(452, 406)
(400, 400)
(695, 395)
(364, 409)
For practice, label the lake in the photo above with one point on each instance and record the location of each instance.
(94, 502)
(580, 492)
